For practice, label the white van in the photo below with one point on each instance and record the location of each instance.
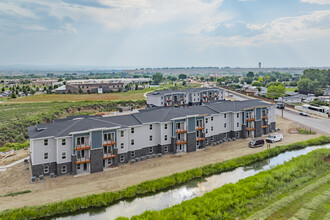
(274, 138)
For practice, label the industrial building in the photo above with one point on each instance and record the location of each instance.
(89, 144)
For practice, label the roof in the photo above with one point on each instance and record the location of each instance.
(163, 92)
(65, 127)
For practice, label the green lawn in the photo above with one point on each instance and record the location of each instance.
(291, 89)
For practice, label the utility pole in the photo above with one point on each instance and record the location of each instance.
(329, 108)
(282, 107)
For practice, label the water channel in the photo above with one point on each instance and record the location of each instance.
(190, 190)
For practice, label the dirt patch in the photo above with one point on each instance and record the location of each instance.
(327, 159)
(17, 178)
(20, 154)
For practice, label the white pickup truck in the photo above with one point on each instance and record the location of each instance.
(274, 138)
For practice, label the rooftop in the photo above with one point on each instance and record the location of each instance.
(162, 92)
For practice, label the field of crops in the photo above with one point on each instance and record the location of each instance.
(15, 118)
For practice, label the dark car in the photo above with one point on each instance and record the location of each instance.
(257, 143)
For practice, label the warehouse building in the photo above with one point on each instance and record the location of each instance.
(89, 144)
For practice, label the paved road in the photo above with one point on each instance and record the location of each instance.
(320, 124)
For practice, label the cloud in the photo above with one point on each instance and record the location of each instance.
(320, 2)
(283, 30)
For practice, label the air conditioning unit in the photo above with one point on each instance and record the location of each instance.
(41, 177)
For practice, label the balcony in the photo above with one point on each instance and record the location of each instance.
(204, 101)
(200, 139)
(178, 131)
(108, 156)
(82, 147)
(250, 119)
(250, 129)
(204, 96)
(169, 105)
(181, 99)
(83, 160)
(181, 142)
(182, 104)
(264, 117)
(265, 126)
(169, 100)
(200, 128)
(108, 143)
(215, 95)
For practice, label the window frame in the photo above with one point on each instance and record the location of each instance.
(46, 166)
(46, 155)
(63, 141)
(133, 153)
(46, 142)
(66, 169)
(63, 154)
(122, 158)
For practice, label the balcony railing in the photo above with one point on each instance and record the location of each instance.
(200, 139)
(181, 142)
(204, 101)
(200, 128)
(250, 119)
(181, 131)
(181, 99)
(108, 143)
(108, 156)
(264, 117)
(264, 126)
(250, 129)
(83, 160)
(169, 100)
(169, 105)
(82, 147)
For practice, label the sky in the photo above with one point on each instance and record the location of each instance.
(165, 33)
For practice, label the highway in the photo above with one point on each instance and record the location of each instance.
(320, 124)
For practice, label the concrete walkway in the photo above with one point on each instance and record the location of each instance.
(4, 168)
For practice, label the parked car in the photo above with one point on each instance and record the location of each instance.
(256, 143)
(304, 114)
(280, 105)
(274, 138)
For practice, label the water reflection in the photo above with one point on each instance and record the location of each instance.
(188, 191)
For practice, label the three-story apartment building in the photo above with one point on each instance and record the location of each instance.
(182, 98)
(89, 144)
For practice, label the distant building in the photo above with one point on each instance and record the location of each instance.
(90, 88)
(182, 98)
(259, 64)
(297, 98)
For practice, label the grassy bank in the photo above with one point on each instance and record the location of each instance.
(107, 198)
(237, 200)
(15, 118)
(16, 193)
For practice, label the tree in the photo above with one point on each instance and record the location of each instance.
(13, 96)
(248, 80)
(3, 89)
(184, 83)
(157, 78)
(136, 86)
(80, 91)
(250, 74)
(258, 84)
(275, 91)
(182, 76)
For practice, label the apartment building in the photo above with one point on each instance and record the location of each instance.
(89, 144)
(91, 87)
(182, 98)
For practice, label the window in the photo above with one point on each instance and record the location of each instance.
(165, 126)
(132, 153)
(63, 141)
(45, 156)
(132, 142)
(109, 161)
(150, 127)
(166, 149)
(206, 141)
(237, 115)
(225, 135)
(211, 118)
(122, 158)
(150, 138)
(80, 141)
(237, 124)
(211, 128)
(63, 155)
(161, 103)
(132, 130)
(64, 169)
(78, 166)
(212, 138)
(46, 142)
(225, 116)
(225, 125)
(122, 145)
(121, 133)
(150, 150)
(46, 169)
(207, 131)
(237, 134)
(165, 138)
(206, 120)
